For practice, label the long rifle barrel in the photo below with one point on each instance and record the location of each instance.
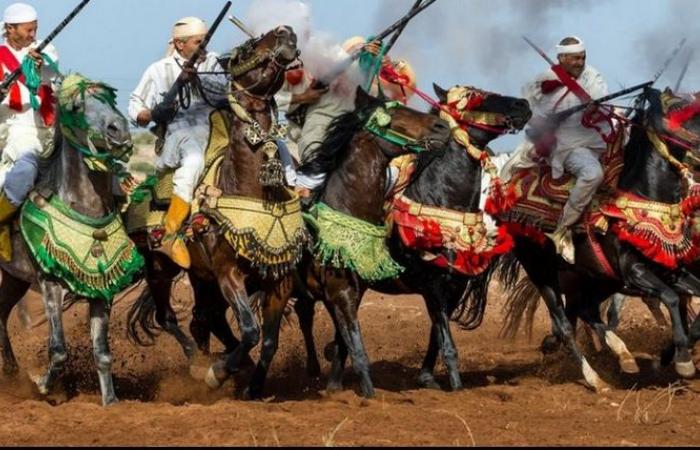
(170, 96)
(568, 112)
(405, 19)
(12, 77)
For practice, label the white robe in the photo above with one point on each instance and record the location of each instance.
(188, 133)
(571, 135)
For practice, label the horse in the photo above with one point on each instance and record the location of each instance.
(72, 239)
(449, 179)
(231, 254)
(651, 175)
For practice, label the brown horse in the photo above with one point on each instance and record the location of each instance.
(236, 259)
(448, 178)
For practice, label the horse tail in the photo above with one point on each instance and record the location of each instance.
(142, 316)
(508, 271)
(472, 305)
(521, 306)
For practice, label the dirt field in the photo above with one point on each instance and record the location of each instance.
(512, 395)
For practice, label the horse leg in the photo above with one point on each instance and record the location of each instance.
(344, 293)
(11, 292)
(336, 352)
(588, 301)
(99, 333)
(53, 294)
(305, 310)
(638, 275)
(542, 267)
(232, 285)
(426, 378)
(274, 303)
(440, 317)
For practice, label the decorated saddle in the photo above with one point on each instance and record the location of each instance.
(270, 234)
(538, 199)
(94, 257)
(447, 238)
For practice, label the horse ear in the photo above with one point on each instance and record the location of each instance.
(440, 92)
(362, 99)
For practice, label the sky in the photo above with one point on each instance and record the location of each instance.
(469, 42)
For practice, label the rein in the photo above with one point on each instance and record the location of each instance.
(72, 120)
(379, 125)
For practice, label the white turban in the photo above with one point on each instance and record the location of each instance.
(578, 47)
(19, 13)
(185, 28)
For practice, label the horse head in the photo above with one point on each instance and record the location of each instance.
(405, 128)
(485, 115)
(258, 66)
(90, 121)
(676, 122)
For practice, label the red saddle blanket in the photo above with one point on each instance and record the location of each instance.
(539, 199)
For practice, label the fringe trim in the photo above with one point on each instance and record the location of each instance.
(111, 281)
(341, 256)
(655, 248)
(268, 260)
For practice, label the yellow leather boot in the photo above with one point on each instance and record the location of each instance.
(172, 244)
(7, 212)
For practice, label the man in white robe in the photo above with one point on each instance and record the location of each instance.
(188, 131)
(26, 134)
(578, 147)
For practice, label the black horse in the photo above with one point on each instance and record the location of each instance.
(651, 172)
(449, 179)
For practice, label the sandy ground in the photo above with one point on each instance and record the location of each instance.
(513, 395)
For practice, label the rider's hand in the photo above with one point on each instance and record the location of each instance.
(310, 96)
(163, 113)
(36, 56)
(373, 48)
(302, 192)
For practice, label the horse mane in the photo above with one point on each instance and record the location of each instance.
(335, 146)
(49, 168)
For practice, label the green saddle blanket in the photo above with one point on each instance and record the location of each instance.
(94, 257)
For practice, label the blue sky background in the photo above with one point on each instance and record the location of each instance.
(475, 42)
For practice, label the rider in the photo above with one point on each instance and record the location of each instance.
(26, 131)
(579, 144)
(327, 103)
(188, 132)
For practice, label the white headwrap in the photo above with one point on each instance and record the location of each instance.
(19, 13)
(185, 28)
(579, 47)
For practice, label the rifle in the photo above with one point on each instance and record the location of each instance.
(553, 121)
(688, 60)
(299, 114)
(12, 77)
(169, 101)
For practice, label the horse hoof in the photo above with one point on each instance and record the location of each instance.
(629, 366)
(110, 401)
(40, 383)
(216, 375)
(332, 387)
(685, 369)
(427, 381)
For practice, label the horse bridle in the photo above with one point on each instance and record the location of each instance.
(379, 124)
(271, 57)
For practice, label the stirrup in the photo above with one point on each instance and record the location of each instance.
(564, 244)
(175, 248)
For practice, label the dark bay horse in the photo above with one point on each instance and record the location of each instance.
(75, 190)
(650, 172)
(228, 260)
(449, 178)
